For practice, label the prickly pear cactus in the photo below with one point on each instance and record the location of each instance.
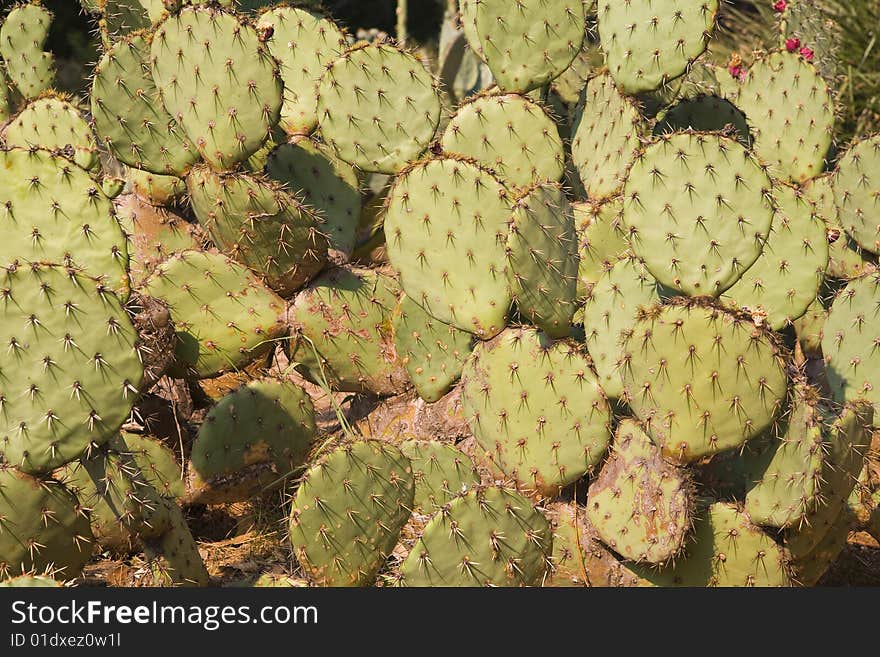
(446, 227)
(251, 440)
(486, 537)
(509, 134)
(174, 556)
(378, 107)
(342, 334)
(156, 189)
(44, 527)
(537, 408)
(601, 239)
(850, 339)
(846, 259)
(224, 89)
(542, 258)
(52, 211)
(348, 512)
(72, 370)
(701, 379)
(23, 34)
(705, 113)
(713, 200)
(31, 582)
(648, 43)
(434, 353)
(224, 316)
(855, 195)
(441, 473)
(640, 505)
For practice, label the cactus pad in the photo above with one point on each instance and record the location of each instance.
(855, 193)
(441, 473)
(705, 113)
(601, 238)
(845, 258)
(23, 33)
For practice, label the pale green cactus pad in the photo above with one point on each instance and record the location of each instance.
(22, 35)
(855, 193)
(441, 473)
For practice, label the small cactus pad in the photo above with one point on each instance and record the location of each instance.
(434, 353)
(157, 462)
(446, 227)
(326, 184)
(809, 567)
(701, 379)
(788, 473)
(528, 43)
(54, 124)
(154, 188)
(509, 134)
(537, 407)
(31, 582)
(845, 258)
(223, 88)
(441, 473)
(257, 223)
(129, 116)
(791, 115)
(639, 504)
(23, 32)
(786, 277)
(121, 17)
(348, 512)
(487, 537)
(304, 42)
(342, 334)
(174, 556)
(52, 211)
(725, 550)
(378, 107)
(601, 239)
(610, 313)
(810, 328)
(705, 113)
(542, 258)
(855, 193)
(224, 316)
(649, 42)
(699, 211)
(606, 133)
(71, 371)
(251, 439)
(850, 341)
(42, 527)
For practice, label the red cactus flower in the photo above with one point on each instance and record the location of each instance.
(780, 6)
(807, 53)
(736, 72)
(792, 44)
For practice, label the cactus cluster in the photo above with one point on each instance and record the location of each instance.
(574, 305)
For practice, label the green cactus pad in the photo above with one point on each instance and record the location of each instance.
(647, 43)
(174, 556)
(441, 473)
(537, 407)
(850, 341)
(52, 211)
(788, 473)
(23, 33)
(257, 223)
(157, 462)
(31, 582)
(342, 333)
(6, 100)
(509, 134)
(810, 328)
(610, 314)
(72, 371)
(847, 441)
(305, 43)
(855, 193)
(434, 353)
(529, 43)
(845, 258)
(348, 512)
(54, 124)
(701, 379)
(43, 528)
(542, 258)
(809, 567)
(129, 116)
(326, 184)
(790, 113)
(446, 228)
(378, 107)
(121, 17)
(155, 188)
(639, 504)
(786, 277)
(224, 90)
(486, 537)
(607, 130)
(725, 550)
(699, 211)
(252, 439)
(706, 114)
(601, 237)
(224, 316)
